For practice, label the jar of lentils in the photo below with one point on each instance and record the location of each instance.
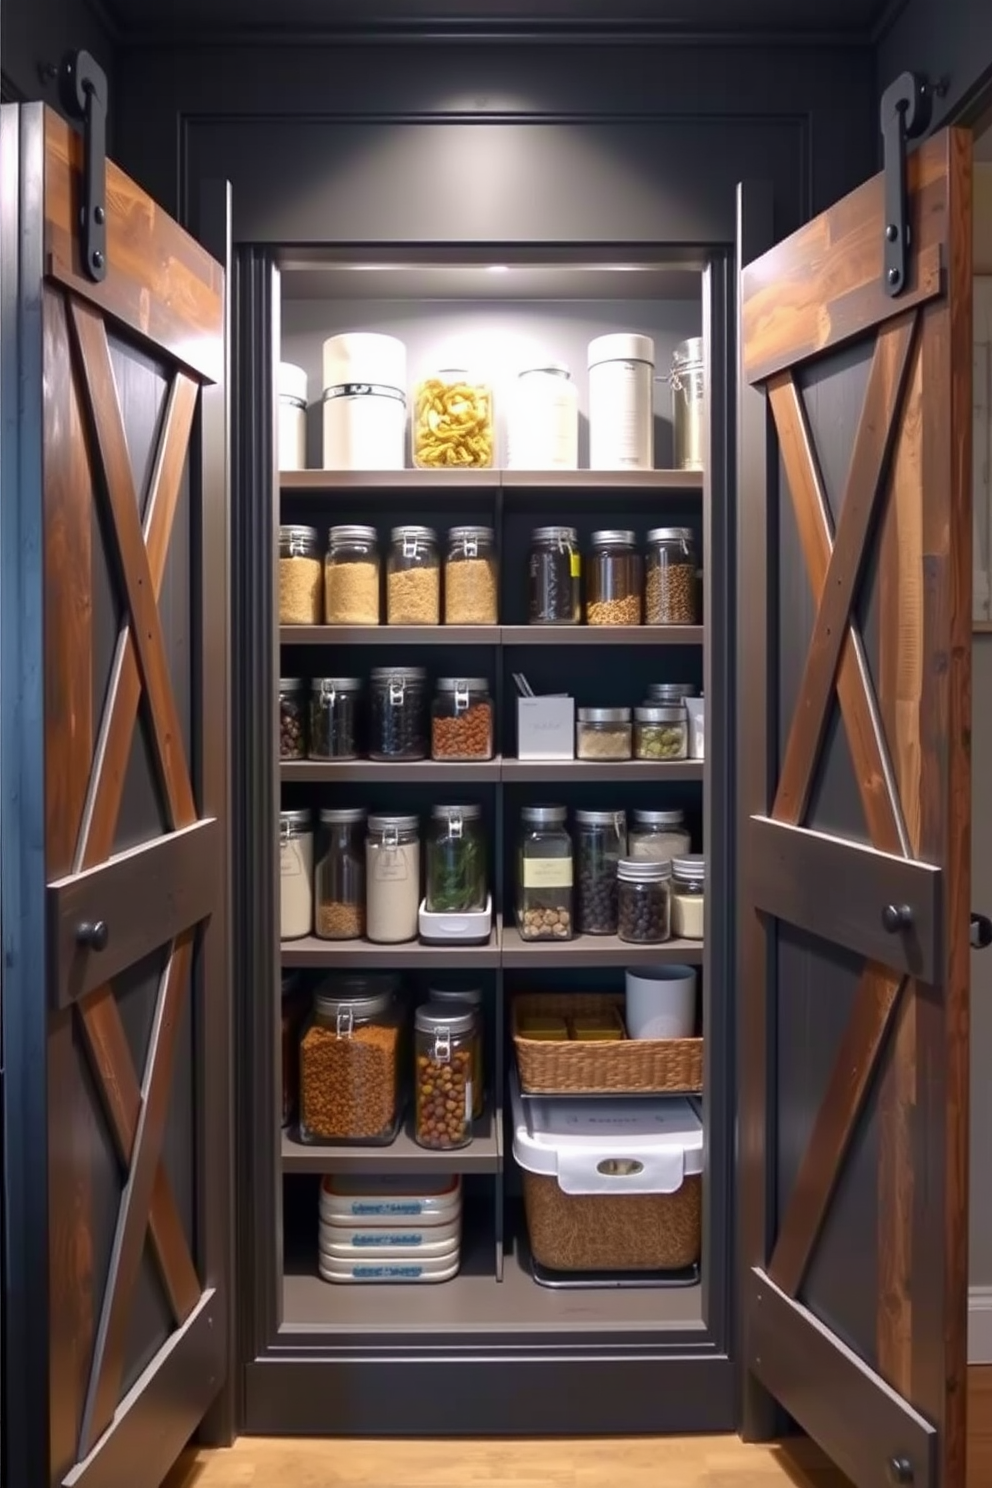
(350, 1065)
(334, 718)
(398, 714)
(555, 577)
(614, 580)
(544, 875)
(339, 877)
(644, 901)
(292, 718)
(471, 577)
(600, 843)
(351, 576)
(413, 577)
(445, 1044)
(670, 596)
(658, 836)
(661, 732)
(462, 719)
(299, 576)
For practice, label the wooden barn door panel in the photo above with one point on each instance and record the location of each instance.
(855, 823)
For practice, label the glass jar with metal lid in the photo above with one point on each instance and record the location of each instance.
(555, 575)
(334, 718)
(670, 596)
(398, 714)
(350, 1065)
(299, 576)
(339, 878)
(603, 734)
(471, 577)
(661, 731)
(644, 901)
(413, 577)
(614, 579)
(453, 426)
(471, 998)
(600, 843)
(295, 874)
(351, 576)
(670, 692)
(544, 875)
(688, 896)
(292, 718)
(392, 879)
(462, 719)
(456, 861)
(658, 836)
(445, 1039)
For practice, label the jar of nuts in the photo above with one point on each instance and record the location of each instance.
(470, 577)
(644, 901)
(349, 1065)
(468, 998)
(351, 576)
(445, 1038)
(661, 732)
(454, 427)
(614, 580)
(544, 875)
(462, 719)
(600, 843)
(670, 577)
(334, 718)
(413, 577)
(339, 877)
(299, 576)
(292, 718)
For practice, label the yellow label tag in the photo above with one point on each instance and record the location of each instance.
(575, 565)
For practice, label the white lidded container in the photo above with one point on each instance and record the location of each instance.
(364, 401)
(396, 1200)
(610, 1185)
(377, 1269)
(292, 429)
(390, 1242)
(621, 402)
(660, 1002)
(544, 419)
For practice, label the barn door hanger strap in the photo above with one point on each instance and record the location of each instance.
(83, 90)
(904, 115)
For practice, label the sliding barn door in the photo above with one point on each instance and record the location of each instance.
(115, 867)
(855, 619)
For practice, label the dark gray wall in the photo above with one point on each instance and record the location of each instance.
(34, 33)
(945, 39)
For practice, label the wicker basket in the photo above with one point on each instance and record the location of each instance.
(576, 1067)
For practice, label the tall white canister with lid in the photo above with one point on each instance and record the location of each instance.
(544, 419)
(364, 401)
(621, 402)
(292, 441)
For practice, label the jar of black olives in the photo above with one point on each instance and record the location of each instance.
(292, 718)
(399, 714)
(600, 843)
(644, 901)
(555, 577)
(334, 718)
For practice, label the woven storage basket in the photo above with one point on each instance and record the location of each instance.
(577, 1067)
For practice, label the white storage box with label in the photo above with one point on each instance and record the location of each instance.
(390, 1242)
(610, 1185)
(545, 728)
(395, 1201)
(364, 402)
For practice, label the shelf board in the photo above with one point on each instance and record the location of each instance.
(448, 772)
(526, 772)
(402, 1156)
(604, 480)
(430, 481)
(603, 635)
(411, 955)
(389, 635)
(594, 950)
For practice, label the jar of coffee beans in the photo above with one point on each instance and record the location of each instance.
(555, 577)
(644, 901)
(670, 577)
(398, 714)
(292, 718)
(300, 570)
(445, 1038)
(334, 718)
(600, 843)
(544, 875)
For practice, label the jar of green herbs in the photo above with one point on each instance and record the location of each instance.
(456, 861)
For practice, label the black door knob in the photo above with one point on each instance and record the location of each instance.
(896, 917)
(981, 932)
(94, 934)
(900, 1470)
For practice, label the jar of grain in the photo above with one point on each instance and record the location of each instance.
(456, 861)
(658, 835)
(454, 427)
(413, 577)
(299, 576)
(445, 1041)
(295, 874)
(603, 734)
(398, 714)
(339, 879)
(555, 572)
(544, 420)
(468, 998)
(462, 719)
(614, 579)
(292, 718)
(349, 1067)
(661, 732)
(471, 577)
(292, 427)
(644, 901)
(544, 875)
(334, 718)
(600, 843)
(688, 896)
(351, 576)
(670, 582)
(392, 879)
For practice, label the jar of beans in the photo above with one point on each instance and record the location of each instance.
(661, 732)
(544, 875)
(339, 877)
(334, 718)
(614, 580)
(445, 1040)
(471, 577)
(351, 576)
(292, 718)
(555, 577)
(670, 578)
(644, 901)
(299, 576)
(398, 714)
(462, 719)
(349, 1065)
(413, 577)
(468, 998)
(600, 843)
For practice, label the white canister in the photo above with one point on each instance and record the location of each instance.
(696, 709)
(544, 420)
(295, 874)
(292, 417)
(364, 402)
(621, 402)
(661, 1002)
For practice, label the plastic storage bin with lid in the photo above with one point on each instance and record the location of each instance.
(610, 1185)
(389, 1229)
(364, 402)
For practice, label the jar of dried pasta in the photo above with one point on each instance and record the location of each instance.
(453, 423)
(299, 576)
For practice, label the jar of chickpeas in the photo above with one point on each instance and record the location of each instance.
(454, 427)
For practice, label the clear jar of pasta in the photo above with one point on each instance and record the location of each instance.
(454, 426)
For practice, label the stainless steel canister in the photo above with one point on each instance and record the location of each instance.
(688, 404)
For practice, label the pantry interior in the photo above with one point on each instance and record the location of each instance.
(494, 312)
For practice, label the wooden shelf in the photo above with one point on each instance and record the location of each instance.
(652, 481)
(574, 772)
(379, 772)
(593, 950)
(602, 635)
(389, 635)
(431, 481)
(362, 955)
(484, 1155)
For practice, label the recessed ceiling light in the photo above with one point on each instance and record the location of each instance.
(498, 269)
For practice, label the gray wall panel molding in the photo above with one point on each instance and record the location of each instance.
(950, 42)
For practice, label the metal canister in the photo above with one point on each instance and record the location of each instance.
(688, 404)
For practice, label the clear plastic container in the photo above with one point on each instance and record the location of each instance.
(670, 585)
(688, 896)
(299, 576)
(555, 572)
(339, 878)
(445, 1041)
(454, 427)
(462, 719)
(471, 577)
(351, 576)
(614, 579)
(295, 874)
(456, 861)
(350, 1066)
(658, 836)
(544, 420)
(413, 577)
(468, 998)
(644, 901)
(398, 722)
(392, 879)
(544, 875)
(292, 718)
(600, 843)
(603, 734)
(661, 732)
(335, 704)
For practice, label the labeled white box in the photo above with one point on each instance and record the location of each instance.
(546, 728)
